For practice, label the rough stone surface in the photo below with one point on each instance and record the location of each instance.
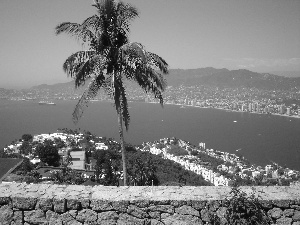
(137, 212)
(288, 212)
(18, 217)
(109, 217)
(74, 205)
(275, 213)
(284, 221)
(296, 216)
(125, 219)
(6, 215)
(205, 215)
(35, 216)
(177, 219)
(162, 208)
(87, 215)
(24, 203)
(187, 210)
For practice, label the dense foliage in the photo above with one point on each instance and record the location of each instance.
(48, 153)
(142, 170)
(108, 167)
(242, 209)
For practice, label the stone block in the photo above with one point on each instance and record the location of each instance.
(101, 205)
(109, 217)
(69, 217)
(154, 215)
(125, 219)
(178, 203)
(120, 206)
(296, 216)
(60, 205)
(45, 204)
(73, 204)
(137, 212)
(35, 216)
(187, 210)
(282, 203)
(18, 217)
(198, 204)
(6, 215)
(24, 203)
(284, 221)
(52, 216)
(275, 213)
(85, 203)
(140, 203)
(178, 219)
(162, 208)
(205, 215)
(288, 212)
(87, 215)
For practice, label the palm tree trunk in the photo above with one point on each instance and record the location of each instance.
(122, 147)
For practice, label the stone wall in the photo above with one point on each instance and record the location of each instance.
(71, 204)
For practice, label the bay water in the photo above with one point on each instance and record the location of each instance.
(260, 138)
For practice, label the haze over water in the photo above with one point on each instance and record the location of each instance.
(260, 138)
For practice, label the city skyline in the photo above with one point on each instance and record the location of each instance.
(261, 36)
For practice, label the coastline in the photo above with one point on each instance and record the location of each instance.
(230, 110)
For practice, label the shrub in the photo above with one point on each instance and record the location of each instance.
(242, 209)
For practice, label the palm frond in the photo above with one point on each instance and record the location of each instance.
(89, 94)
(146, 76)
(133, 51)
(92, 66)
(75, 30)
(158, 62)
(74, 62)
(126, 13)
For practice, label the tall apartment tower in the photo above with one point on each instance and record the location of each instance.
(288, 111)
(250, 107)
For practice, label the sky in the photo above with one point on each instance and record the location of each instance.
(258, 35)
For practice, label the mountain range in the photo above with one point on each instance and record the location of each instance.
(215, 77)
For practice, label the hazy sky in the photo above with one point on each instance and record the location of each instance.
(259, 35)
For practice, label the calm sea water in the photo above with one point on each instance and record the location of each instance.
(260, 138)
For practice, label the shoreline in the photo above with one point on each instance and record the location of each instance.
(230, 110)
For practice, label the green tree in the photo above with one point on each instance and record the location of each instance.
(26, 148)
(27, 137)
(107, 167)
(142, 170)
(110, 59)
(48, 153)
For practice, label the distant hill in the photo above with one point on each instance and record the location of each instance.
(287, 73)
(231, 78)
(57, 86)
(213, 77)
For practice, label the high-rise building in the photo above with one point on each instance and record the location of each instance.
(244, 107)
(281, 109)
(257, 107)
(288, 111)
(250, 107)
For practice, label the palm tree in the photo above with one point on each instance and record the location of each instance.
(110, 59)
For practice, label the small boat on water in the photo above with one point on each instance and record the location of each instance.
(46, 103)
